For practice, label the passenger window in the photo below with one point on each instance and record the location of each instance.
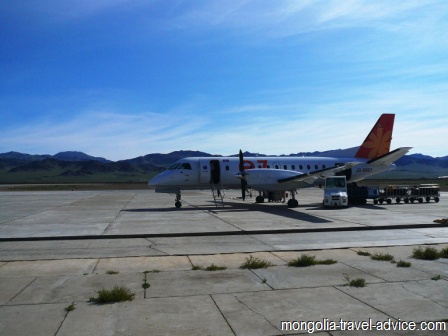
(285, 167)
(276, 167)
(293, 167)
(301, 167)
(204, 167)
(268, 166)
(316, 167)
(308, 167)
(227, 168)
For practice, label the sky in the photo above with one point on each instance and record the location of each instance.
(121, 79)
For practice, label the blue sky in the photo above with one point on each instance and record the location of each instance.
(120, 79)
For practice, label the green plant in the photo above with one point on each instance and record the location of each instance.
(326, 262)
(214, 267)
(437, 277)
(116, 294)
(444, 253)
(403, 263)
(112, 272)
(429, 253)
(382, 256)
(306, 260)
(303, 261)
(363, 253)
(196, 268)
(70, 308)
(358, 282)
(254, 263)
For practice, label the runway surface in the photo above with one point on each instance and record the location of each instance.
(59, 248)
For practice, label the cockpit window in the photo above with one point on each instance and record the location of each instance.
(185, 166)
(174, 166)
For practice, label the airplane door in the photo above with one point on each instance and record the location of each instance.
(215, 171)
(210, 171)
(205, 171)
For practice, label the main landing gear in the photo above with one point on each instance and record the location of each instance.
(177, 202)
(293, 203)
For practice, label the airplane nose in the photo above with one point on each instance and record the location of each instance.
(154, 182)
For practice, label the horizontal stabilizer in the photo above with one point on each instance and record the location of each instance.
(390, 157)
(322, 173)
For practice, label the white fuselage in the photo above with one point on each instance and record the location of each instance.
(200, 172)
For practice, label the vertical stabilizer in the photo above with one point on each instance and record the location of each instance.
(378, 141)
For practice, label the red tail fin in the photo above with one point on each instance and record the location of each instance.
(378, 141)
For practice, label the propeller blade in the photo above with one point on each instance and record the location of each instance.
(241, 167)
(243, 181)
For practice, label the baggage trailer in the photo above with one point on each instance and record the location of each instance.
(400, 193)
(425, 192)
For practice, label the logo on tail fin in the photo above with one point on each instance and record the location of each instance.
(378, 141)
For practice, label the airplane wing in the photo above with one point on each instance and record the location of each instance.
(390, 157)
(322, 173)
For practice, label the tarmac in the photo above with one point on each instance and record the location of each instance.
(59, 248)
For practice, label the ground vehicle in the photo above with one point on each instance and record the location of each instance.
(400, 193)
(424, 192)
(360, 195)
(335, 192)
(410, 194)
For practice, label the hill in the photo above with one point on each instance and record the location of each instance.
(78, 167)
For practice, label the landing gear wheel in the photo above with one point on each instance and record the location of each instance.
(259, 199)
(177, 202)
(293, 203)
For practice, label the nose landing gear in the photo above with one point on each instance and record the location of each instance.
(177, 202)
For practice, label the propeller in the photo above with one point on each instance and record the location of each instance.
(242, 176)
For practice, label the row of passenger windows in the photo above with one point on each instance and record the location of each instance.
(187, 165)
(292, 167)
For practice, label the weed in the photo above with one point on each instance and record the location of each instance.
(116, 294)
(403, 263)
(196, 268)
(70, 307)
(112, 272)
(437, 277)
(303, 261)
(326, 262)
(444, 253)
(382, 256)
(358, 282)
(152, 271)
(264, 280)
(429, 253)
(254, 263)
(214, 267)
(363, 253)
(306, 260)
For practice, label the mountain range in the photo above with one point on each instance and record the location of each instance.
(72, 166)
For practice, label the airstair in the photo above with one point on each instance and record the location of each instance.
(218, 193)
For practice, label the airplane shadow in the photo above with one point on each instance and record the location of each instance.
(276, 209)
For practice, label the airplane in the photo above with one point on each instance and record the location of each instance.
(275, 176)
